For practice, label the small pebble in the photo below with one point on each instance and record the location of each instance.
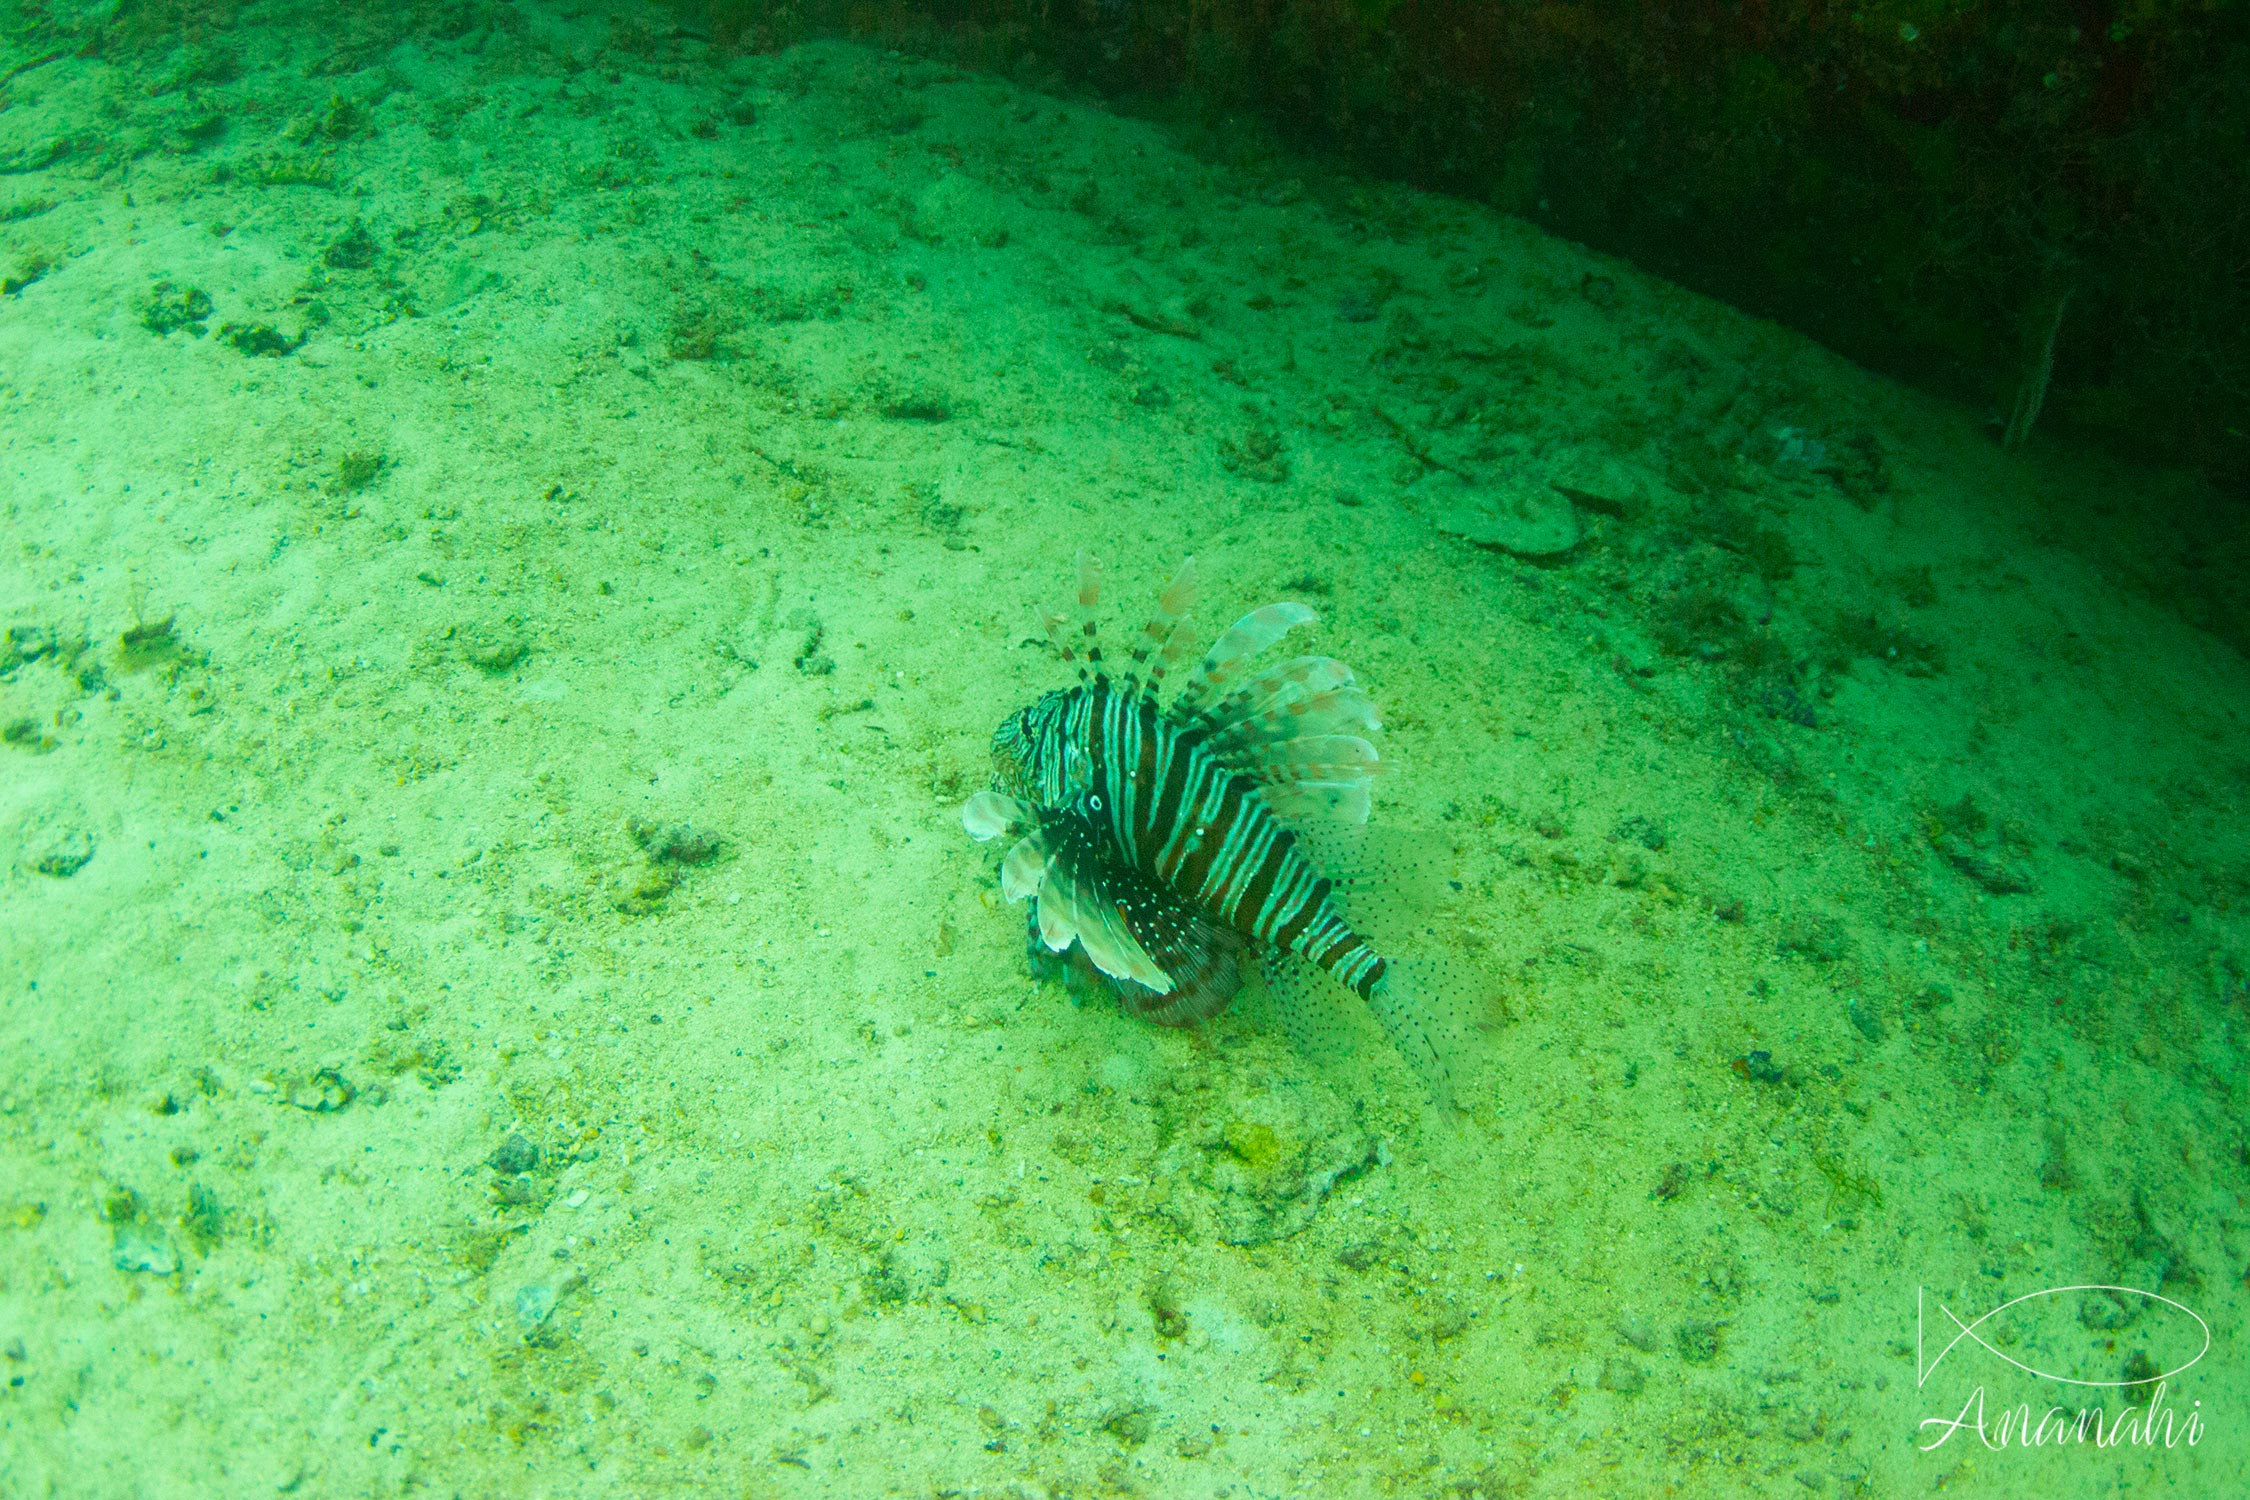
(578, 1199)
(535, 1304)
(139, 1249)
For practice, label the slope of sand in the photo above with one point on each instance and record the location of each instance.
(495, 998)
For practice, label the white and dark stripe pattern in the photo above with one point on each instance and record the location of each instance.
(1173, 810)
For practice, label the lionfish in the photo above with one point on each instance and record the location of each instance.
(1162, 843)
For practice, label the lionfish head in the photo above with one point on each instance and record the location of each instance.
(1024, 744)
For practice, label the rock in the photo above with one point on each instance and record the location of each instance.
(60, 852)
(143, 1247)
(959, 210)
(1520, 514)
(1603, 484)
(1622, 1376)
(495, 652)
(535, 1304)
(1698, 1341)
(324, 1093)
(1263, 1175)
(675, 843)
(1130, 1423)
(512, 1156)
(909, 1272)
(49, 836)
(1988, 868)
(1637, 1331)
(516, 1192)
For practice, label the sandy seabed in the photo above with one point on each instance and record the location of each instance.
(517, 534)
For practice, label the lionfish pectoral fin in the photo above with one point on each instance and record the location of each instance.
(1163, 960)
(1024, 871)
(1073, 906)
(989, 814)
(1056, 909)
(1117, 953)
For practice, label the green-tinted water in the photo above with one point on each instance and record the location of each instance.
(519, 533)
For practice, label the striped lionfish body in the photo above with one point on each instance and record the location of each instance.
(1159, 842)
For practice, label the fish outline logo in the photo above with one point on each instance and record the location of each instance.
(1923, 1370)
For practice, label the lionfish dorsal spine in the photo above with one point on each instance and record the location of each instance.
(1301, 694)
(1161, 635)
(1089, 606)
(1058, 634)
(1242, 641)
